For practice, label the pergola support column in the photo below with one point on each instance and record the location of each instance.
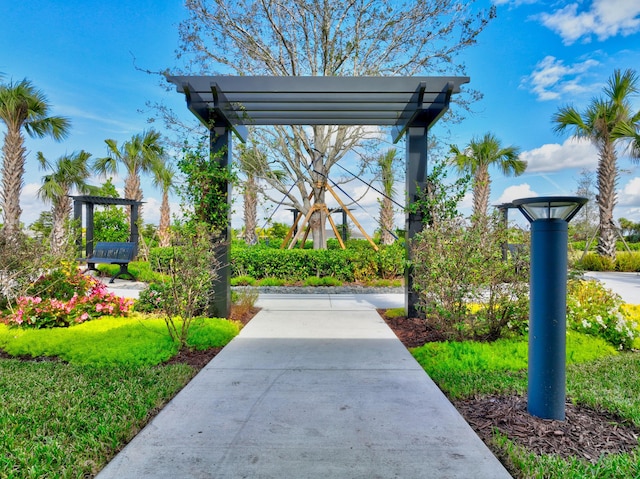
(221, 149)
(416, 177)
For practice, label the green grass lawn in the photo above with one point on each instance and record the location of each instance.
(67, 419)
(597, 376)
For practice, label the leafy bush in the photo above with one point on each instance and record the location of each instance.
(325, 281)
(243, 281)
(153, 298)
(61, 283)
(456, 264)
(271, 282)
(595, 310)
(244, 300)
(160, 257)
(90, 300)
(625, 261)
(359, 262)
(628, 262)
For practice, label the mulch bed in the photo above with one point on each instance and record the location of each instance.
(585, 434)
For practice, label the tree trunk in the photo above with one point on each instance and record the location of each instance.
(481, 192)
(164, 233)
(133, 191)
(60, 212)
(319, 175)
(386, 221)
(607, 180)
(12, 177)
(250, 210)
(318, 221)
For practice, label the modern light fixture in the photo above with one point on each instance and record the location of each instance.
(549, 217)
(550, 207)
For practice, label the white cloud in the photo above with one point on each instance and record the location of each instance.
(30, 204)
(604, 19)
(632, 214)
(552, 79)
(629, 195)
(554, 157)
(517, 191)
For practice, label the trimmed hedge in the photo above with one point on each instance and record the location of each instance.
(359, 262)
(625, 262)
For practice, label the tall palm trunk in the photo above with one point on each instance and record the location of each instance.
(250, 210)
(481, 192)
(607, 180)
(386, 221)
(164, 234)
(12, 173)
(60, 213)
(133, 191)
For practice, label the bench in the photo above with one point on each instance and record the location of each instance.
(111, 253)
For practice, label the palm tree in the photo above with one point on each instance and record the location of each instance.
(252, 162)
(140, 154)
(387, 178)
(164, 177)
(603, 123)
(68, 172)
(476, 159)
(22, 106)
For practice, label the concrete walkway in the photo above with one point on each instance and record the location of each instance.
(315, 386)
(627, 285)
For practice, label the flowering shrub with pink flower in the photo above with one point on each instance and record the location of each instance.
(90, 300)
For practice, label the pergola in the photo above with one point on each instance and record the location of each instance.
(89, 202)
(409, 105)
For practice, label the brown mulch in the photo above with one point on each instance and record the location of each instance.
(585, 433)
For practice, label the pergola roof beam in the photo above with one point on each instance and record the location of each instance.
(236, 102)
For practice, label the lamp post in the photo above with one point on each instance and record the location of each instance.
(549, 218)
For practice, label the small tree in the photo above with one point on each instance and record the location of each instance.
(190, 272)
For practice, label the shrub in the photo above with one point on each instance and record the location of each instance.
(243, 281)
(37, 312)
(595, 310)
(359, 262)
(271, 282)
(244, 300)
(628, 262)
(61, 283)
(595, 262)
(325, 281)
(153, 298)
(456, 264)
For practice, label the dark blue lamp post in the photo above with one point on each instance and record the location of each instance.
(549, 217)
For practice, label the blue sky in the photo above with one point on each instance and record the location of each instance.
(535, 57)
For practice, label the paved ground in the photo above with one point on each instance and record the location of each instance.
(314, 386)
(627, 285)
